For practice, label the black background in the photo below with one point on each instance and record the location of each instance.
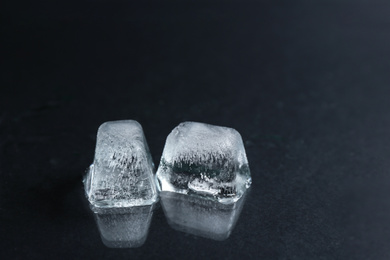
(306, 83)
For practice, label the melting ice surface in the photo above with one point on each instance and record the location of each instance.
(206, 161)
(122, 171)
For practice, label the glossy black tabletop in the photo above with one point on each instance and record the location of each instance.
(306, 83)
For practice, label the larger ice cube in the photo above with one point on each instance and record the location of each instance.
(204, 160)
(122, 171)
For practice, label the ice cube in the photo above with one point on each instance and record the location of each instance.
(204, 160)
(122, 171)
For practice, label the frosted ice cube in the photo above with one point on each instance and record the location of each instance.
(122, 171)
(204, 160)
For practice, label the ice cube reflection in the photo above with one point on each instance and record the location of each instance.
(201, 217)
(124, 227)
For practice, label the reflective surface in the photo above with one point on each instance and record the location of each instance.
(201, 217)
(124, 228)
(306, 83)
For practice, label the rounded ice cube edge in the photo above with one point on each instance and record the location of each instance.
(122, 174)
(205, 161)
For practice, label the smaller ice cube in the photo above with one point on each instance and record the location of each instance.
(204, 160)
(122, 171)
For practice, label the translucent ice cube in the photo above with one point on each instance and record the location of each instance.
(122, 171)
(204, 160)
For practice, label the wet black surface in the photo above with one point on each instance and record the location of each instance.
(306, 84)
